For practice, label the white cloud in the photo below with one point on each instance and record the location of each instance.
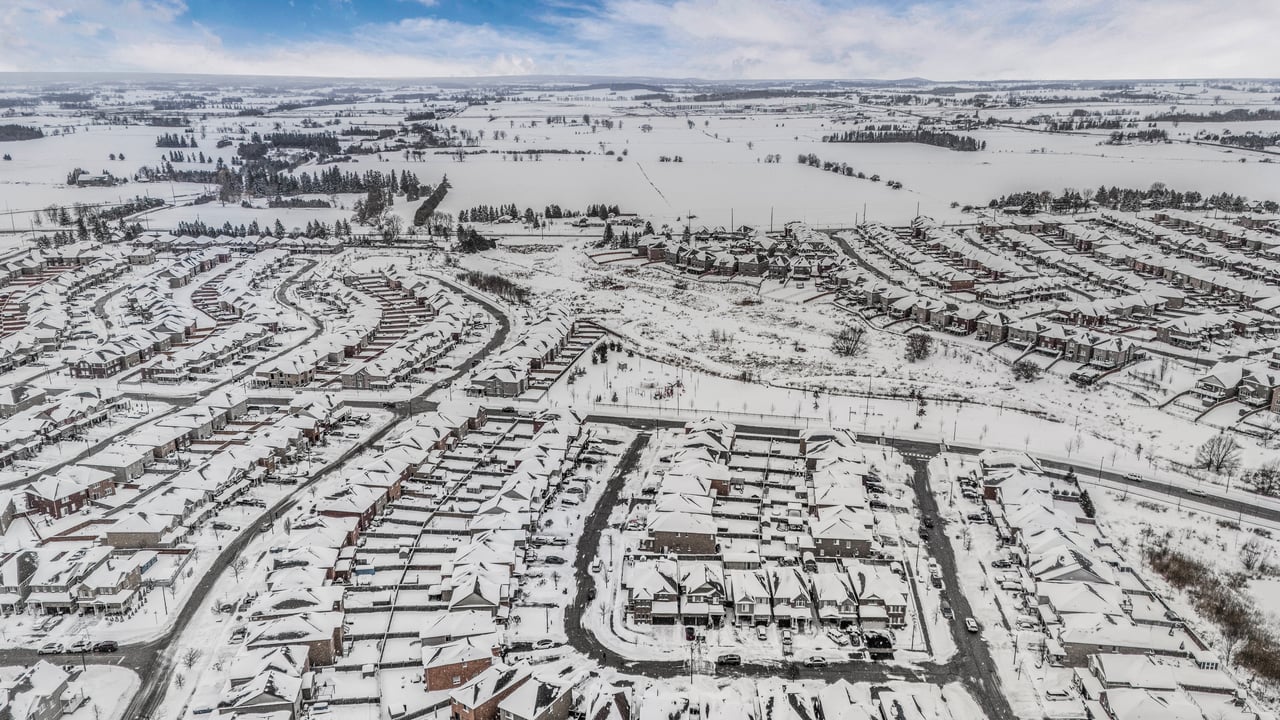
(952, 39)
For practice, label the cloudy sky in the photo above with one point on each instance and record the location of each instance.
(716, 39)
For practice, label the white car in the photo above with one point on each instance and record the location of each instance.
(596, 566)
(544, 644)
(762, 633)
(50, 648)
(1133, 477)
(971, 625)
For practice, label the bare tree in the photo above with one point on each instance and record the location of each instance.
(190, 657)
(848, 342)
(1265, 478)
(1219, 454)
(1251, 554)
(238, 566)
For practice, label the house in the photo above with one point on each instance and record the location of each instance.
(537, 700)
(1260, 387)
(842, 532)
(320, 632)
(1222, 382)
(653, 594)
(791, 602)
(270, 691)
(835, 599)
(702, 593)
(479, 698)
(1085, 634)
(452, 664)
(684, 533)
(882, 597)
(68, 490)
(8, 509)
(751, 596)
(39, 692)
(16, 398)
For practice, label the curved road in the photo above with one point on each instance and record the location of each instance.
(154, 661)
(972, 664)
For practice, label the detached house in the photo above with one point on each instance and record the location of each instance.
(68, 490)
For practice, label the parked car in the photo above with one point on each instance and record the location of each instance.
(971, 625)
(544, 644)
(1001, 564)
(729, 659)
(575, 490)
(838, 637)
(815, 661)
(570, 500)
(689, 633)
(947, 612)
(1133, 477)
(219, 525)
(106, 646)
(553, 560)
(928, 522)
(50, 648)
(976, 517)
(596, 566)
(80, 646)
(762, 632)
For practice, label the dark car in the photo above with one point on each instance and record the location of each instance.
(689, 633)
(553, 560)
(729, 660)
(928, 522)
(106, 646)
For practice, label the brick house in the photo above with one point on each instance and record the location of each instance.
(537, 701)
(682, 533)
(453, 664)
(68, 490)
(479, 698)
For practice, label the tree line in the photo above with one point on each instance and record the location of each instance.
(422, 216)
(496, 284)
(892, 134)
(13, 133)
(1151, 136)
(1158, 196)
(175, 140)
(1233, 115)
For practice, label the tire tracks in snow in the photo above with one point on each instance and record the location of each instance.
(652, 185)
